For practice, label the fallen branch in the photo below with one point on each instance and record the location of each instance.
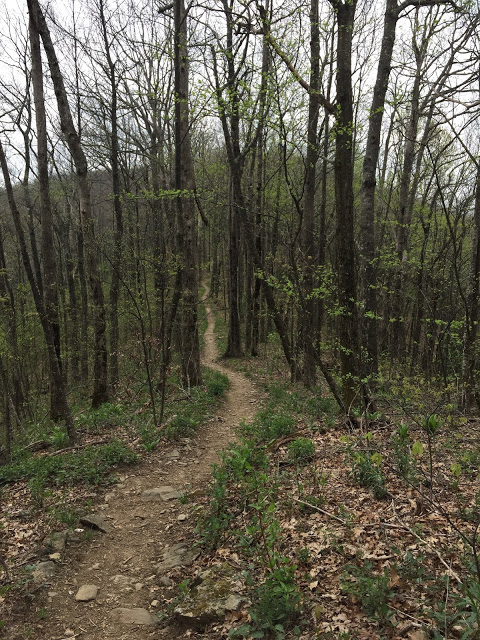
(76, 448)
(330, 515)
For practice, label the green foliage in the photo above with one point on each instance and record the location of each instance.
(432, 424)
(270, 426)
(217, 384)
(234, 481)
(301, 451)
(243, 507)
(107, 416)
(367, 472)
(188, 414)
(65, 514)
(59, 437)
(460, 614)
(181, 427)
(371, 590)
(277, 600)
(470, 461)
(403, 458)
(303, 556)
(298, 399)
(89, 466)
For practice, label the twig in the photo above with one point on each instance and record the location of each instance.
(416, 622)
(437, 553)
(76, 448)
(330, 515)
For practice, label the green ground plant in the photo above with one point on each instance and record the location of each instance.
(269, 426)
(89, 466)
(371, 590)
(367, 468)
(301, 451)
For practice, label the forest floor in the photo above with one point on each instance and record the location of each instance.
(121, 562)
(361, 534)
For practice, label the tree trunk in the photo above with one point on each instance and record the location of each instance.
(39, 304)
(100, 388)
(345, 241)
(368, 279)
(185, 185)
(309, 250)
(50, 287)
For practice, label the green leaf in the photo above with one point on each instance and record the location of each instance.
(417, 449)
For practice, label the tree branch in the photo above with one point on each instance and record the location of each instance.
(288, 63)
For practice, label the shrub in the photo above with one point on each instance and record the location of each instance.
(277, 600)
(367, 472)
(271, 426)
(301, 450)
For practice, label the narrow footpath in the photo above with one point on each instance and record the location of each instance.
(120, 564)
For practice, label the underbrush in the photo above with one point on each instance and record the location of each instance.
(88, 466)
(382, 520)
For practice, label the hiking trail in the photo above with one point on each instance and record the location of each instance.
(120, 563)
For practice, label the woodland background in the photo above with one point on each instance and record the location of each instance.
(319, 160)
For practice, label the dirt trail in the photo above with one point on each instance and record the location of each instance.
(140, 530)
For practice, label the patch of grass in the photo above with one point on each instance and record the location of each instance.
(192, 410)
(298, 399)
(107, 416)
(88, 466)
(217, 384)
(367, 472)
(269, 425)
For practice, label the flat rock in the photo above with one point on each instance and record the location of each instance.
(178, 555)
(96, 521)
(43, 570)
(122, 580)
(57, 540)
(86, 593)
(161, 493)
(175, 453)
(134, 616)
(213, 596)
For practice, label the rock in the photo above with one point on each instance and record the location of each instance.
(76, 537)
(154, 603)
(166, 582)
(96, 521)
(175, 453)
(178, 555)
(138, 586)
(160, 493)
(56, 557)
(57, 540)
(134, 616)
(212, 597)
(182, 517)
(43, 570)
(122, 580)
(86, 593)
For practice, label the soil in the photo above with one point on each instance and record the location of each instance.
(139, 532)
